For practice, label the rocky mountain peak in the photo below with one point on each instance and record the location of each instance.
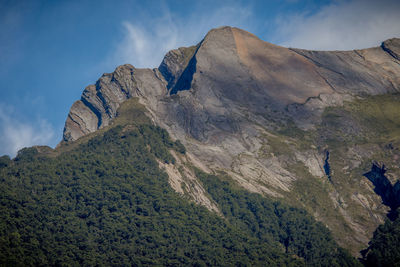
(265, 115)
(231, 68)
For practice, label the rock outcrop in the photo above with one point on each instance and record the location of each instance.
(389, 193)
(99, 103)
(254, 111)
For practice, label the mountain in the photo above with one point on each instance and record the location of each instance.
(232, 70)
(289, 123)
(234, 151)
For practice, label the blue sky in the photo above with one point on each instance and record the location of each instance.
(51, 50)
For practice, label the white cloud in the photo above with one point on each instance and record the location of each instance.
(342, 25)
(17, 133)
(144, 46)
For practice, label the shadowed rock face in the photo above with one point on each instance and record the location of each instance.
(174, 64)
(227, 97)
(389, 193)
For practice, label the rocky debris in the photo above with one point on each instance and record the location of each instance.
(183, 180)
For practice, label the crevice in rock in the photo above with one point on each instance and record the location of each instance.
(124, 90)
(94, 110)
(359, 54)
(318, 64)
(389, 51)
(100, 95)
(389, 193)
(327, 167)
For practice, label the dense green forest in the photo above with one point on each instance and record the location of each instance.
(107, 203)
(384, 247)
(272, 221)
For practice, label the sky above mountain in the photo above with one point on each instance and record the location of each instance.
(51, 50)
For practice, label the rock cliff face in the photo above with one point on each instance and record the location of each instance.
(389, 193)
(99, 102)
(262, 114)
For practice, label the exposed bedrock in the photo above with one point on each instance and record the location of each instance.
(232, 76)
(389, 193)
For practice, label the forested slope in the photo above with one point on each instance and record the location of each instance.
(384, 249)
(106, 202)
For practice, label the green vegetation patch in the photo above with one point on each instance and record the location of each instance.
(106, 203)
(384, 249)
(374, 119)
(293, 229)
(131, 112)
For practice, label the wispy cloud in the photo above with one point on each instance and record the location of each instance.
(17, 133)
(144, 45)
(342, 25)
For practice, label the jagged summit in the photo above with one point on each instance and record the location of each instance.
(230, 68)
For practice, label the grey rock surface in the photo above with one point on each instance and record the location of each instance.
(232, 72)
